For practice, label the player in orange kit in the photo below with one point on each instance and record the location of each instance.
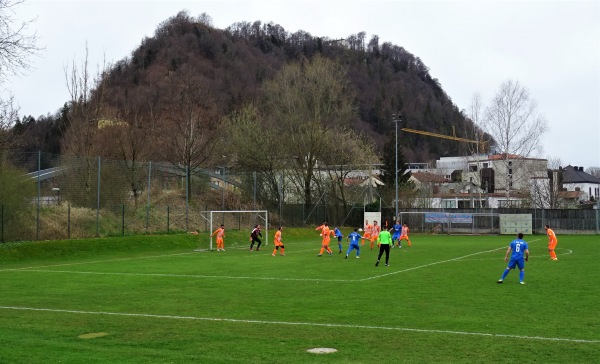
(278, 242)
(220, 232)
(368, 232)
(404, 235)
(552, 241)
(375, 230)
(326, 234)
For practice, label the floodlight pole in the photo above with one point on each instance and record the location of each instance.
(396, 119)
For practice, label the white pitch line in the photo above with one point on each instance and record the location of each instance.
(428, 265)
(241, 277)
(190, 276)
(568, 252)
(311, 324)
(95, 261)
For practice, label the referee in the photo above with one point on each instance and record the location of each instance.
(385, 242)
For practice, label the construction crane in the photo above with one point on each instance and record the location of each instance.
(480, 144)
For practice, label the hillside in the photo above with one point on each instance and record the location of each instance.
(230, 65)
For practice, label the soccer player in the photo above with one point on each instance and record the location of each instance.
(320, 227)
(552, 241)
(220, 232)
(396, 235)
(375, 230)
(519, 250)
(384, 241)
(326, 234)
(254, 237)
(368, 229)
(353, 239)
(278, 242)
(404, 235)
(338, 234)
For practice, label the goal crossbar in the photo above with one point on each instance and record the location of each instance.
(262, 215)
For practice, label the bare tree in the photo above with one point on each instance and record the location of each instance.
(353, 151)
(514, 123)
(8, 116)
(86, 111)
(17, 46)
(544, 191)
(253, 144)
(190, 122)
(309, 101)
(594, 171)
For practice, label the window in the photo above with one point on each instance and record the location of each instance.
(510, 172)
(473, 168)
(510, 163)
(449, 204)
(485, 165)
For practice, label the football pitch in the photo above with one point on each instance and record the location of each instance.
(153, 299)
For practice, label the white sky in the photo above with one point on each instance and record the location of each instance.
(550, 47)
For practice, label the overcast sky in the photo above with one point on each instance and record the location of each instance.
(551, 47)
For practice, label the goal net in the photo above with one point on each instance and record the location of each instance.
(238, 225)
(451, 223)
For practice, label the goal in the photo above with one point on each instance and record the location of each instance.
(238, 225)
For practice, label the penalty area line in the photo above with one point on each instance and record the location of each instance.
(189, 276)
(309, 324)
(428, 265)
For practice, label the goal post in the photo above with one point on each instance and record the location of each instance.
(238, 225)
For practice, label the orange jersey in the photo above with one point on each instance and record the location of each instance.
(404, 231)
(375, 230)
(326, 233)
(277, 238)
(368, 230)
(220, 232)
(552, 241)
(551, 236)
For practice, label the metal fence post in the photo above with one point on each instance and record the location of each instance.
(187, 198)
(98, 202)
(148, 187)
(37, 217)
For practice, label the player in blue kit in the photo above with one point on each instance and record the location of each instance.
(396, 235)
(338, 234)
(520, 255)
(354, 238)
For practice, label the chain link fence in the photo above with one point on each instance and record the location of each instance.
(45, 196)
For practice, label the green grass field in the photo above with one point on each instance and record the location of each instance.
(152, 299)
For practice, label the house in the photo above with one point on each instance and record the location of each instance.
(437, 191)
(574, 179)
(498, 180)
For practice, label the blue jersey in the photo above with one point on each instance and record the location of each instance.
(354, 237)
(338, 233)
(397, 228)
(518, 248)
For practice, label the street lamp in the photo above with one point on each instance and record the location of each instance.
(396, 119)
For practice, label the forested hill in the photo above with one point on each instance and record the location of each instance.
(233, 64)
